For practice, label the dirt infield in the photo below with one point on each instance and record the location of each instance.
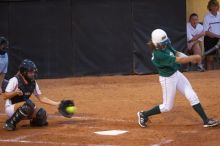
(111, 103)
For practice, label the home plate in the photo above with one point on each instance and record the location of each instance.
(111, 132)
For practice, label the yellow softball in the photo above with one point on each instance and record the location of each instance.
(71, 109)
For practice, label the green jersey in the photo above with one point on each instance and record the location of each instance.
(165, 61)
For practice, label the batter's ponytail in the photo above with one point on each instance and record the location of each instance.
(151, 45)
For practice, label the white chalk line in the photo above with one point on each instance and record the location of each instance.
(49, 142)
(86, 118)
(20, 139)
(163, 142)
(25, 136)
(187, 132)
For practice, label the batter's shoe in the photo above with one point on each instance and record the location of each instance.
(211, 123)
(200, 68)
(142, 120)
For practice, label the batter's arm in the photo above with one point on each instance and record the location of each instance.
(180, 54)
(193, 58)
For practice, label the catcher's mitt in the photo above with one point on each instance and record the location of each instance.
(63, 106)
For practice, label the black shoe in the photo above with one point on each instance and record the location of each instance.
(142, 121)
(8, 126)
(211, 123)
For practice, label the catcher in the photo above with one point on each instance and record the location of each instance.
(19, 89)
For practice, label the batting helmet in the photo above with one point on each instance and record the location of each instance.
(159, 38)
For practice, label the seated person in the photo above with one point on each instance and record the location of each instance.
(212, 31)
(3, 60)
(195, 35)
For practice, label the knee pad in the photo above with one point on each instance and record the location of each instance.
(40, 119)
(27, 108)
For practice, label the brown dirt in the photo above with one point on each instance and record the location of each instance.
(111, 103)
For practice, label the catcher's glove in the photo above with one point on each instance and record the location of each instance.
(63, 106)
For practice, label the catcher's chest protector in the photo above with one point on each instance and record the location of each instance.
(27, 90)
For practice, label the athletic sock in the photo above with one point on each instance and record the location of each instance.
(154, 111)
(198, 108)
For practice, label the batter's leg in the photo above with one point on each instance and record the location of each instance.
(184, 86)
(168, 85)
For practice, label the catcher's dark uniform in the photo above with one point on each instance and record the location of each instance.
(28, 110)
(27, 90)
(25, 81)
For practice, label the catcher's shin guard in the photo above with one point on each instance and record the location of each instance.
(22, 112)
(40, 119)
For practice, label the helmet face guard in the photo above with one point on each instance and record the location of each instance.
(164, 44)
(28, 70)
(31, 75)
(160, 39)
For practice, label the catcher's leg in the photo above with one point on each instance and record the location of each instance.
(21, 113)
(9, 108)
(40, 118)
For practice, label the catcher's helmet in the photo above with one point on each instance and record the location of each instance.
(159, 38)
(28, 66)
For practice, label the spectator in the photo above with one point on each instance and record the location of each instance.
(212, 31)
(195, 35)
(3, 60)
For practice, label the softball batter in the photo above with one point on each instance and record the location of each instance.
(167, 61)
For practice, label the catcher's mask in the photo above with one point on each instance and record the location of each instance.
(160, 39)
(28, 70)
